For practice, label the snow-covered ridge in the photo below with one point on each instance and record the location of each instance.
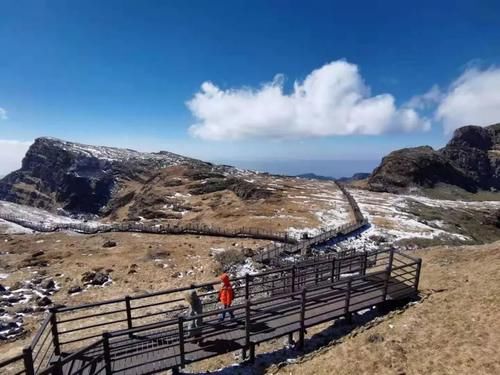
(116, 154)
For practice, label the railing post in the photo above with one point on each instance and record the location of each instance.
(181, 341)
(247, 326)
(302, 318)
(252, 352)
(58, 368)
(55, 333)
(347, 314)
(107, 353)
(417, 276)
(293, 279)
(129, 314)
(332, 276)
(28, 360)
(247, 286)
(365, 263)
(388, 272)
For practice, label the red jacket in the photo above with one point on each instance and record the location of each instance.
(226, 293)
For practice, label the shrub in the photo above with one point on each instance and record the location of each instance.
(228, 258)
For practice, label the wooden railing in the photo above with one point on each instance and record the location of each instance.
(272, 252)
(99, 334)
(164, 228)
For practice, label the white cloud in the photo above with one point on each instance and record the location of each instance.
(3, 114)
(11, 155)
(472, 99)
(332, 100)
(427, 100)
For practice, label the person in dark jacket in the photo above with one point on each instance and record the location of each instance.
(195, 309)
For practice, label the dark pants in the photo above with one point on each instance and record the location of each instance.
(223, 315)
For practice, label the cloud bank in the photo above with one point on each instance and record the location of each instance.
(332, 100)
(472, 99)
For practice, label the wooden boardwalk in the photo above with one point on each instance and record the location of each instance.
(171, 228)
(150, 333)
(169, 344)
(273, 252)
(268, 321)
(269, 305)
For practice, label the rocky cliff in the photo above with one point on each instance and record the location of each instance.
(83, 179)
(470, 160)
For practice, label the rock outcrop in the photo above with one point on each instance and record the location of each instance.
(470, 160)
(79, 179)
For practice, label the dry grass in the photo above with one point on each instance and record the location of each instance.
(456, 330)
(293, 203)
(158, 258)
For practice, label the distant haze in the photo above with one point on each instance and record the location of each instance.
(329, 168)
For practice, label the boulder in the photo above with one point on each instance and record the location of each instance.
(43, 301)
(94, 278)
(247, 252)
(74, 289)
(23, 309)
(15, 298)
(109, 243)
(48, 284)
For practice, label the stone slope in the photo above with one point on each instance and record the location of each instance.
(470, 160)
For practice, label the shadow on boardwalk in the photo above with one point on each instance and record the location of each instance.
(327, 337)
(341, 238)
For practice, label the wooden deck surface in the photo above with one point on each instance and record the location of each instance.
(154, 352)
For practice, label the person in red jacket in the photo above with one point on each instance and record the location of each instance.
(226, 295)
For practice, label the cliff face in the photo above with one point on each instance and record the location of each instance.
(471, 160)
(476, 151)
(118, 183)
(75, 177)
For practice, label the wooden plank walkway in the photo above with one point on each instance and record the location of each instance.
(153, 352)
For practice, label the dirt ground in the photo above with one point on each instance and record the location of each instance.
(455, 330)
(139, 263)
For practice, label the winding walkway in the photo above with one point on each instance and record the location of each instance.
(150, 333)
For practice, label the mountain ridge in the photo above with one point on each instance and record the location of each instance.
(470, 160)
(83, 179)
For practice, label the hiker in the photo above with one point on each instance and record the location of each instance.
(195, 308)
(226, 295)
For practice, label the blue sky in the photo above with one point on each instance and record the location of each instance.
(122, 72)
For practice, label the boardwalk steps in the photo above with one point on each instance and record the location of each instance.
(149, 333)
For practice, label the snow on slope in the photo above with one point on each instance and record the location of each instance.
(329, 204)
(118, 154)
(6, 227)
(31, 214)
(388, 215)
